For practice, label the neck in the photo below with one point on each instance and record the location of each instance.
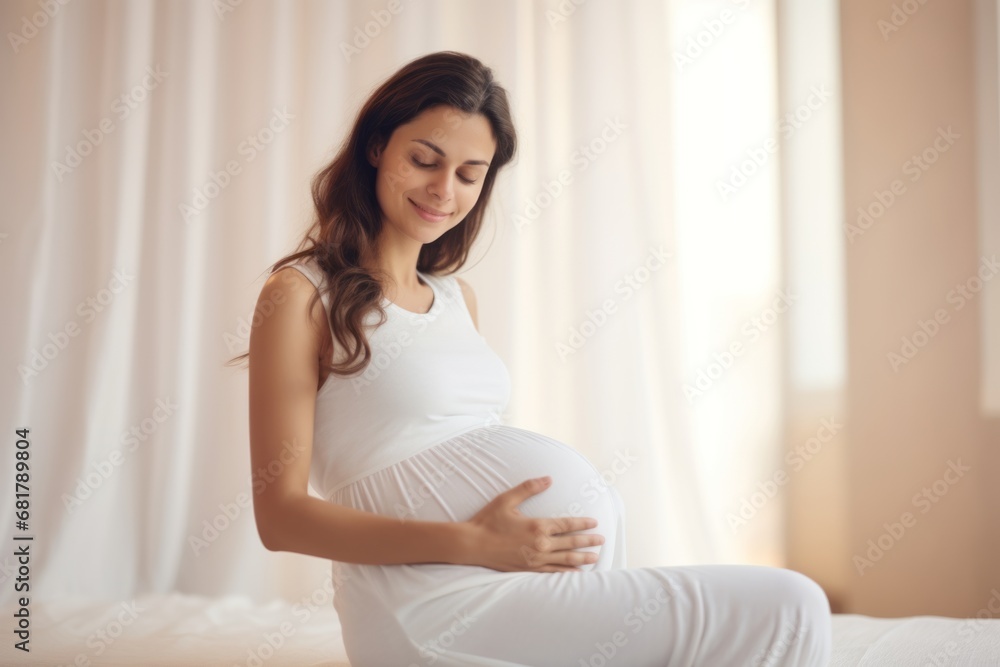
(397, 257)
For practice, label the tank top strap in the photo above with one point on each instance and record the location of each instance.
(451, 291)
(307, 266)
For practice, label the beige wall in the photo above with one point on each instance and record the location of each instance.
(902, 428)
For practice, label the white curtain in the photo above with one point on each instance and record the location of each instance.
(157, 158)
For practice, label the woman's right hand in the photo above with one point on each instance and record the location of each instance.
(502, 538)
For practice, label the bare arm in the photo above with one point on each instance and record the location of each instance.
(284, 373)
(285, 348)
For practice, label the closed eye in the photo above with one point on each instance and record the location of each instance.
(429, 166)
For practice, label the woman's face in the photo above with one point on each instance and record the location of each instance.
(431, 171)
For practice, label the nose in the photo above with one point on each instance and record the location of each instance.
(442, 186)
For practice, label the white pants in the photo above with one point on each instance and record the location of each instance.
(688, 616)
(605, 615)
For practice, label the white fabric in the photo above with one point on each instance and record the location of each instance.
(177, 630)
(918, 641)
(184, 84)
(425, 418)
(432, 376)
(415, 442)
(276, 72)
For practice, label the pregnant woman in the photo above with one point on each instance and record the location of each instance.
(457, 540)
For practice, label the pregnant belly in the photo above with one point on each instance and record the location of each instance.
(454, 479)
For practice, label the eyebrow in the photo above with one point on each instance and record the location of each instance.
(440, 152)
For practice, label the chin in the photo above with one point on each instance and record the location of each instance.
(432, 238)
(425, 235)
(429, 232)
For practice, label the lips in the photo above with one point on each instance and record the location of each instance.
(430, 211)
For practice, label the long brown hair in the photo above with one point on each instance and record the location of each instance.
(348, 216)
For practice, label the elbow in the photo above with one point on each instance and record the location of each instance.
(266, 534)
(268, 542)
(273, 523)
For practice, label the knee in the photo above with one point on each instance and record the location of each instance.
(807, 618)
(802, 591)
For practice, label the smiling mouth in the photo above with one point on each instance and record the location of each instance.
(429, 211)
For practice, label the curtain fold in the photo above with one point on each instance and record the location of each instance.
(159, 161)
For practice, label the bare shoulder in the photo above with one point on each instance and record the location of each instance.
(290, 278)
(284, 303)
(291, 284)
(470, 299)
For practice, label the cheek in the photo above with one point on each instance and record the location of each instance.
(395, 179)
(384, 185)
(469, 200)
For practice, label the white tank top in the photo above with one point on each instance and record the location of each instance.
(432, 376)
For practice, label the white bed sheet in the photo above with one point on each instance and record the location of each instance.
(174, 630)
(915, 641)
(178, 630)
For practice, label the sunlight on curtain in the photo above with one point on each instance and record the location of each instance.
(729, 254)
(813, 450)
(656, 112)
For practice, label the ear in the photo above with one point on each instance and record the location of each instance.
(375, 149)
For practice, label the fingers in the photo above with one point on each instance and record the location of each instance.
(518, 494)
(546, 554)
(572, 524)
(559, 560)
(557, 541)
(576, 542)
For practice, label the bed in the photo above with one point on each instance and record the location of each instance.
(175, 629)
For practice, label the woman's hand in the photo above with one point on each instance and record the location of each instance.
(501, 538)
